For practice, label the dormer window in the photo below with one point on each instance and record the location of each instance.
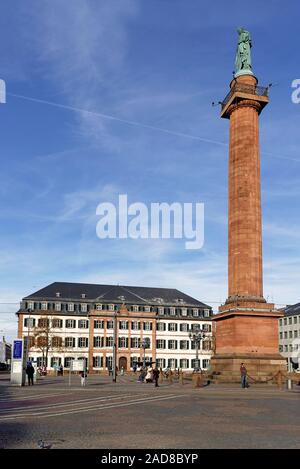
(135, 308)
(57, 294)
(195, 312)
(184, 312)
(147, 309)
(172, 311)
(111, 307)
(98, 307)
(83, 295)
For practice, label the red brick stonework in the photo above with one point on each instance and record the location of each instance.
(246, 326)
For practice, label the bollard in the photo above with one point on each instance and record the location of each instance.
(181, 377)
(279, 380)
(289, 384)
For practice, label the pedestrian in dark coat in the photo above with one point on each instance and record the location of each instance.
(30, 372)
(156, 376)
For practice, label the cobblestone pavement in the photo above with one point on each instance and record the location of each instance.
(132, 415)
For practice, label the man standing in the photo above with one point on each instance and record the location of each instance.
(243, 371)
(156, 376)
(30, 372)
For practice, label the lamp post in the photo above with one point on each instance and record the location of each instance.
(29, 311)
(114, 378)
(145, 344)
(196, 335)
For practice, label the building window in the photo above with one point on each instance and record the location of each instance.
(285, 321)
(135, 342)
(135, 308)
(97, 361)
(56, 341)
(205, 363)
(161, 363)
(206, 313)
(83, 307)
(55, 362)
(184, 327)
(30, 305)
(70, 306)
(291, 348)
(98, 307)
(83, 295)
(123, 325)
(31, 341)
(280, 322)
(280, 348)
(206, 327)
(184, 344)
(172, 363)
(109, 362)
(43, 323)
(134, 361)
(123, 342)
(295, 319)
(160, 310)
(98, 342)
(147, 309)
(109, 341)
(135, 326)
(147, 326)
(68, 361)
(290, 320)
(83, 323)
(110, 324)
(285, 335)
(44, 306)
(161, 326)
(111, 307)
(280, 335)
(184, 363)
(42, 341)
(160, 344)
(57, 323)
(172, 327)
(40, 361)
(98, 324)
(286, 349)
(70, 323)
(57, 294)
(195, 312)
(70, 342)
(83, 342)
(172, 344)
(57, 306)
(172, 311)
(295, 334)
(29, 322)
(290, 334)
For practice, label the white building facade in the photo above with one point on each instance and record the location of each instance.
(66, 322)
(289, 336)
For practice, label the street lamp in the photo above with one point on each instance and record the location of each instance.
(196, 335)
(115, 348)
(145, 344)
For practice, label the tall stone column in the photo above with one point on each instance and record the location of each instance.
(246, 326)
(244, 201)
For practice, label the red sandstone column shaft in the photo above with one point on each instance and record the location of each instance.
(244, 205)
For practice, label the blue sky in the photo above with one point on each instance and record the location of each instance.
(159, 63)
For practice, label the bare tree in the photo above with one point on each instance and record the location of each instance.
(44, 337)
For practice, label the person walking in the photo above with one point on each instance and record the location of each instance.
(83, 375)
(156, 376)
(30, 372)
(243, 371)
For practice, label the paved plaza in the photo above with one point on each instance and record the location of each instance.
(132, 415)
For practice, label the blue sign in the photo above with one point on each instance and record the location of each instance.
(17, 351)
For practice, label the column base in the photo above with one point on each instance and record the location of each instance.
(226, 367)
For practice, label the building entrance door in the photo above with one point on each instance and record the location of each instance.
(122, 363)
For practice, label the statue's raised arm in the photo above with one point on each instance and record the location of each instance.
(243, 54)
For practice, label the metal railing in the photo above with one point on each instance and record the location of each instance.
(243, 88)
